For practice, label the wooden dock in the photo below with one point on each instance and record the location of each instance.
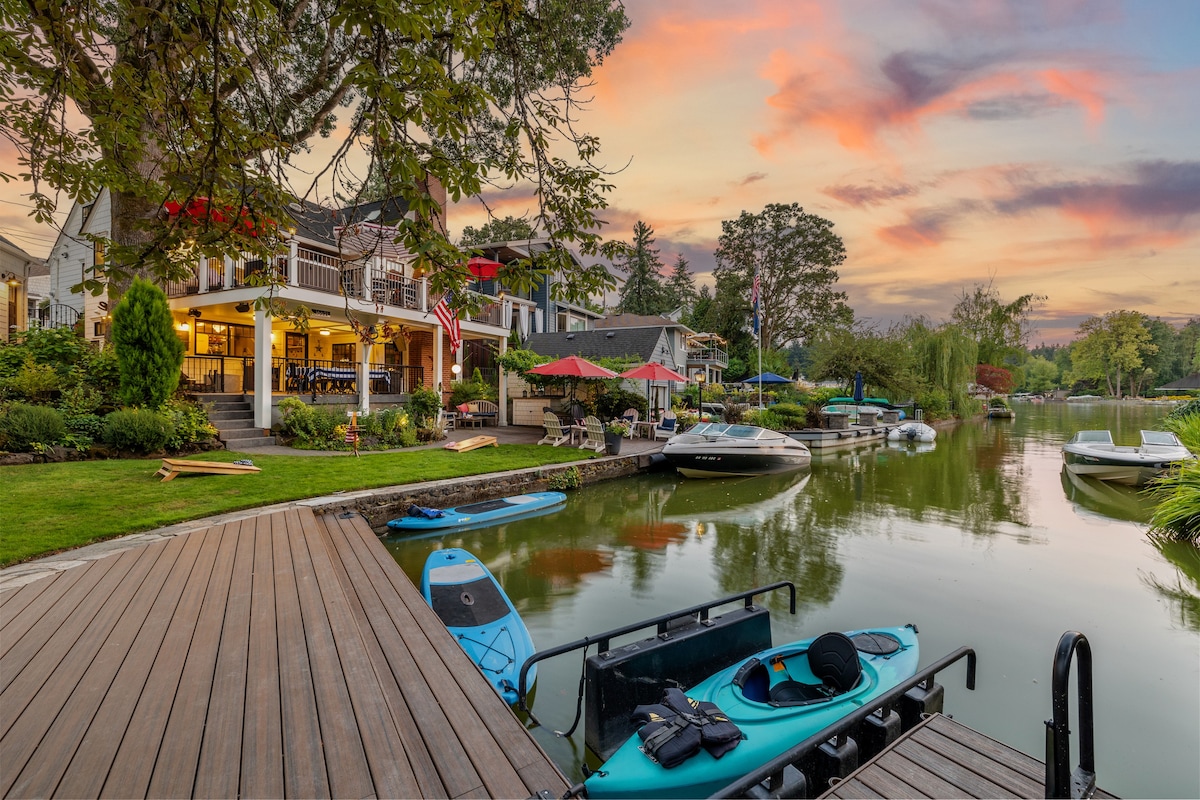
(285, 655)
(939, 758)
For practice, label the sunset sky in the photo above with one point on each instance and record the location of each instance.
(1047, 147)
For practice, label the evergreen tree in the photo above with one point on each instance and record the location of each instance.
(643, 290)
(149, 354)
(681, 286)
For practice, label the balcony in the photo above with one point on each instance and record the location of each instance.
(707, 356)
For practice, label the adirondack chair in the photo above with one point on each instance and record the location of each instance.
(666, 426)
(594, 440)
(555, 435)
(631, 416)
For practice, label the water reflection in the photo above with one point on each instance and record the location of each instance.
(981, 539)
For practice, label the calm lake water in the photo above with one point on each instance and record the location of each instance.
(980, 539)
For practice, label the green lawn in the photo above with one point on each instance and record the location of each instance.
(45, 508)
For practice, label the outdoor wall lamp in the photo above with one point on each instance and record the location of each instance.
(194, 312)
(11, 279)
(456, 369)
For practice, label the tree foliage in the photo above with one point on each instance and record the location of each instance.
(1041, 375)
(884, 360)
(796, 255)
(1112, 348)
(149, 353)
(221, 101)
(498, 230)
(643, 290)
(995, 379)
(1000, 330)
(680, 286)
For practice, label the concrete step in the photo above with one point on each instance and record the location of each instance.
(237, 431)
(241, 413)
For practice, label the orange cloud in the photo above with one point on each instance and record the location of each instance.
(1084, 87)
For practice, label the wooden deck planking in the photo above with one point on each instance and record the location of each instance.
(940, 758)
(14, 600)
(283, 656)
(421, 722)
(68, 728)
(262, 733)
(492, 748)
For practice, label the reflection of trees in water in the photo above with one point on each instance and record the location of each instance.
(971, 480)
(1183, 598)
(784, 546)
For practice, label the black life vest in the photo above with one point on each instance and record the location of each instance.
(677, 727)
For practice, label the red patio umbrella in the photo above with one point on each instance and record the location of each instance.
(483, 268)
(575, 368)
(652, 371)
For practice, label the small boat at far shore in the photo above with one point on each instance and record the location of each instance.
(1094, 454)
(474, 608)
(717, 450)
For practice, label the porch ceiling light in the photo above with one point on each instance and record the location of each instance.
(324, 331)
(242, 307)
(194, 312)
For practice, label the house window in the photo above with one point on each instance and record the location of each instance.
(98, 254)
(343, 353)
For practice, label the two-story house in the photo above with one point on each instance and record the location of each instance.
(373, 334)
(17, 269)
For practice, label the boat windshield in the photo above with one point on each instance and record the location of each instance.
(731, 431)
(1164, 438)
(1094, 437)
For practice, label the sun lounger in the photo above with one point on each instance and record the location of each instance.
(174, 466)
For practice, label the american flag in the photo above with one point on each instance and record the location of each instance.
(754, 291)
(449, 321)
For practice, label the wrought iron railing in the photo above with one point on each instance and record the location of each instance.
(57, 315)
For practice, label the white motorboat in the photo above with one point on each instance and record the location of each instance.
(912, 432)
(717, 450)
(1094, 454)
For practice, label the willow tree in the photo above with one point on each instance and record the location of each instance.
(164, 103)
(944, 358)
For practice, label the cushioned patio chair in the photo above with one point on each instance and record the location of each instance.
(594, 438)
(666, 426)
(555, 435)
(631, 417)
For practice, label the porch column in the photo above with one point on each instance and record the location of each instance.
(502, 418)
(438, 333)
(262, 369)
(202, 274)
(364, 380)
(293, 276)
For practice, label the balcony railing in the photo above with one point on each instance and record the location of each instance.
(707, 355)
(295, 376)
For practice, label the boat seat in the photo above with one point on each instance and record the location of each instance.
(833, 658)
(795, 693)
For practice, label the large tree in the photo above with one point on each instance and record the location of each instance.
(796, 255)
(497, 230)
(1111, 348)
(163, 103)
(680, 286)
(643, 290)
(1001, 330)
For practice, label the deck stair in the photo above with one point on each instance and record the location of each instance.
(233, 417)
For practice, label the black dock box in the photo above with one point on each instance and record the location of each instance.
(620, 679)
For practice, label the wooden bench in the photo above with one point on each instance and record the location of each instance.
(174, 466)
(473, 443)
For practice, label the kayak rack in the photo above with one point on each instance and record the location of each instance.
(836, 750)
(688, 646)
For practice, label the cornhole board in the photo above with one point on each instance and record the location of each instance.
(471, 444)
(174, 466)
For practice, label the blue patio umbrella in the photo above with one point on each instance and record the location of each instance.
(858, 387)
(768, 377)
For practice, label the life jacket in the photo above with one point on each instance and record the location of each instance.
(677, 727)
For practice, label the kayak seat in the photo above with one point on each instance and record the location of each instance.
(795, 693)
(833, 658)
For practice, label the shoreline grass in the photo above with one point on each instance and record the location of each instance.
(48, 508)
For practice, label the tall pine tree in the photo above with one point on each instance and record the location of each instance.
(643, 289)
(681, 286)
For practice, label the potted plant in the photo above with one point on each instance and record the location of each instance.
(614, 432)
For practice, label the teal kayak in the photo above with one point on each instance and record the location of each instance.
(421, 520)
(777, 700)
(471, 603)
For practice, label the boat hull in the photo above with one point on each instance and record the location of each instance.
(1127, 471)
(482, 513)
(731, 451)
(1093, 454)
(912, 432)
(475, 609)
(769, 730)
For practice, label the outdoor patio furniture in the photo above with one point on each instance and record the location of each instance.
(666, 426)
(594, 435)
(631, 417)
(174, 466)
(555, 435)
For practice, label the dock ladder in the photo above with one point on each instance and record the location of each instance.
(1060, 781)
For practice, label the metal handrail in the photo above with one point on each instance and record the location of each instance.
(773, 769)
(1060, 782)
(660, 622)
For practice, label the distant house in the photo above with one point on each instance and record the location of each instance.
(373, 334)
(1189, 382)
(544, 313)
(19, 278)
